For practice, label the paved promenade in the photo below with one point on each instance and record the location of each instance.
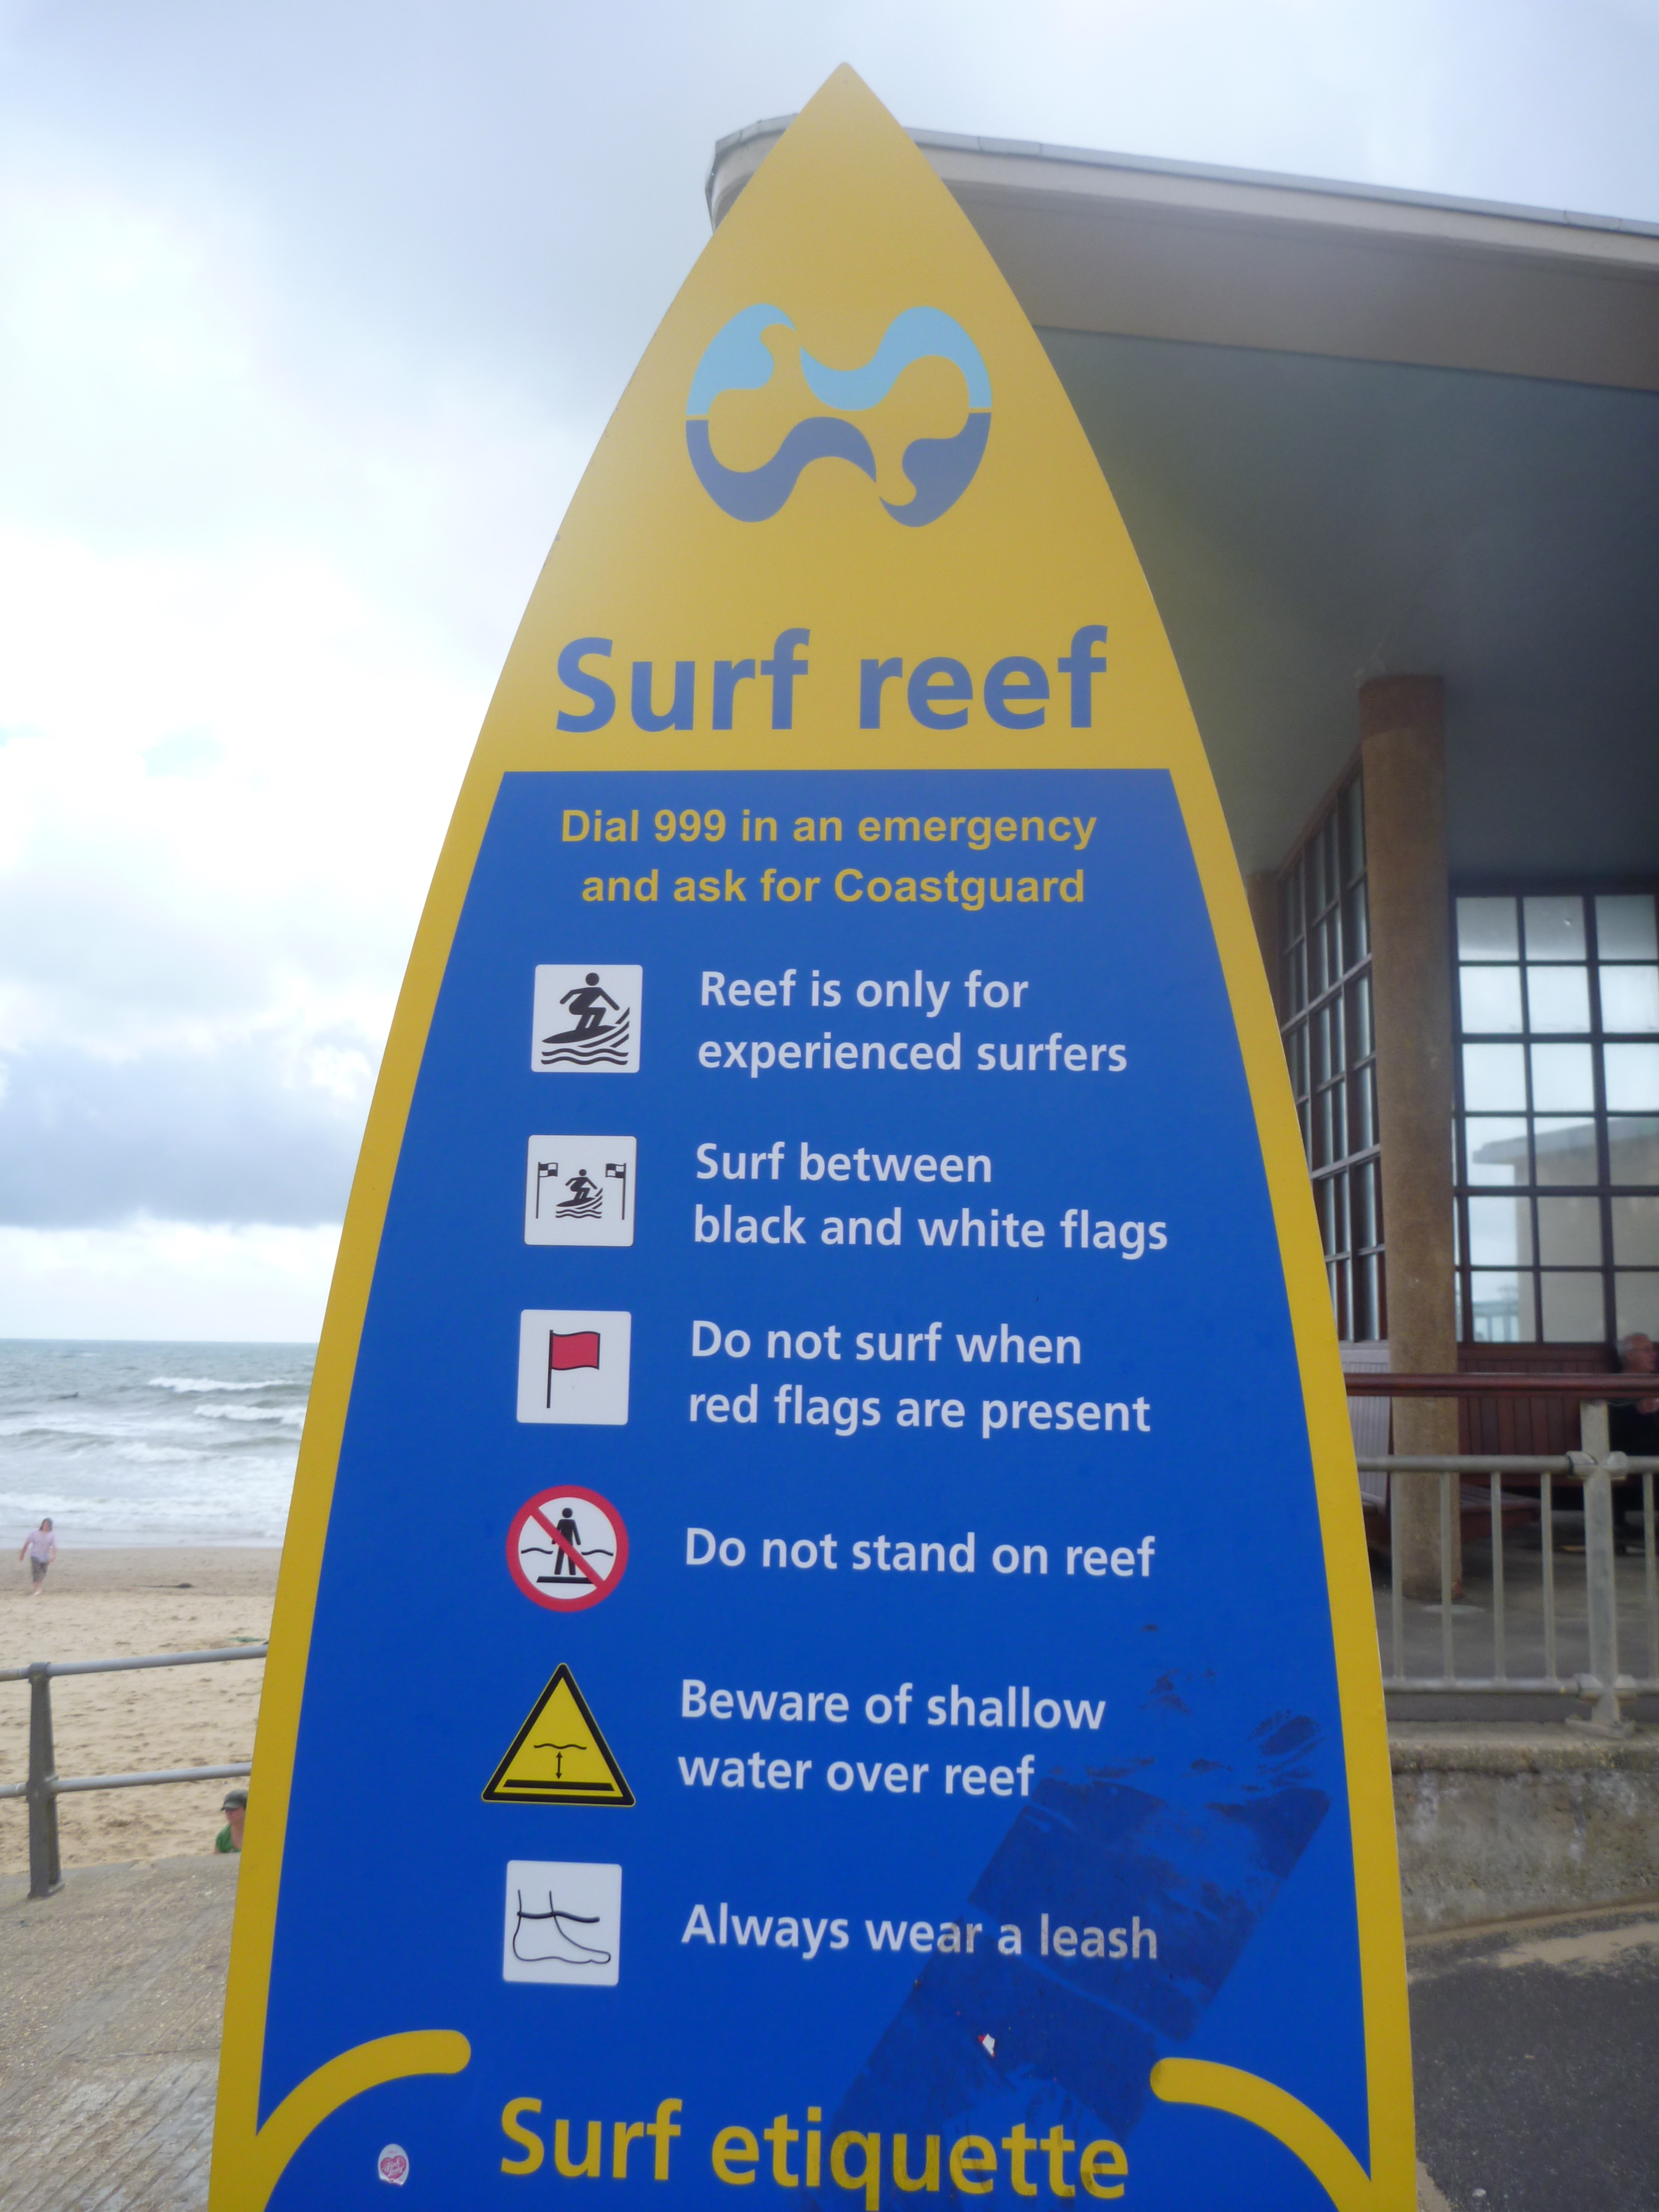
(1537, 2047)
(111, 1996)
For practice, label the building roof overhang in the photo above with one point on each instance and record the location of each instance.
(1356, 432)
(1127, 246)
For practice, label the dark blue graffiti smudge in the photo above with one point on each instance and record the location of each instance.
(941, 469)
(756, 495)
(1094, 1853)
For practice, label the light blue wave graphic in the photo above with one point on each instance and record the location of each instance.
(917, 334)
(939, 470)
(735, 359)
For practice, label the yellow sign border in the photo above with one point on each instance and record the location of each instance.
(515, 737)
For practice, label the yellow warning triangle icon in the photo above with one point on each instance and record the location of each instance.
(559, 1757)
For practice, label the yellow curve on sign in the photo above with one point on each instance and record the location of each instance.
(1248, 2097)
(388, 2059)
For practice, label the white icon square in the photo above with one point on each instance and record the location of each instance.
(563, 1922)
(579, 1190)
(587, 1021)
(572, 1367)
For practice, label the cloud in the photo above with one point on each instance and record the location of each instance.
(167, 1280)
(266, 1129)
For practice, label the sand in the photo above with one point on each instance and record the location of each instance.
(120, 1604)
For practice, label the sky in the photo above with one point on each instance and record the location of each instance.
(310, 317)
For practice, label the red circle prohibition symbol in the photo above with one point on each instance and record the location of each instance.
(566, 1548)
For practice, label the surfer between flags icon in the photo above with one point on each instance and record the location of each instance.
(572, 1367)
(579, 1190)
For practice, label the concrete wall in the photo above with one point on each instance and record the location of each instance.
(1502, 1820)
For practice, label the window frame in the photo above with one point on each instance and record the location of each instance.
(1329, 1038)
(1594, 1036)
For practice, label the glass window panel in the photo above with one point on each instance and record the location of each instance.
(1327, 1216)
(1364, 1321)
(1574, 1309)
(1362, 1090)
(1562, 1080)
(1352, 807)
(1486, 929)
(1556, 999)
(1636, 1232)
(1630, 998)
(1633, 1148)
(1377, 1319)
(1500, 1308)
(1632, 1076)
(1497, 1150)
(1635, 1302)
(1564, 1151)
(1491, 999)
(1296, 1052)
(1359, 1018)
(1495, 1078)
(1364, 1204)
(1315, 949)
(1355, 924)
(1500, 1231)
(1332, 926)
(1555, 928)
(1295, 980)
(1570, 1232)
(1624, 927)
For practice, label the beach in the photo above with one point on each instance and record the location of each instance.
(122, 1603)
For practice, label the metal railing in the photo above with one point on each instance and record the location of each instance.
(46, 1786)
(1545, 1621)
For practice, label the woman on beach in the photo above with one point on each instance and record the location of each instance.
(41, 1546)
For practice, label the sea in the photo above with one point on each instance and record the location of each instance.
(150, 1443)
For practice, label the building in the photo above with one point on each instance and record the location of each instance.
(1392, 465)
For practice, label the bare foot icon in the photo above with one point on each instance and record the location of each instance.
(539, 1937)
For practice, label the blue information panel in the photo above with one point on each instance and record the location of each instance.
(893, 1276)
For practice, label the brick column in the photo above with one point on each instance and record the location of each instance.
(1401, 721)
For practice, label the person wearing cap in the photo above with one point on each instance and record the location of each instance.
(235, 1808)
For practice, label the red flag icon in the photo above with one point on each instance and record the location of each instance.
(580, 1348)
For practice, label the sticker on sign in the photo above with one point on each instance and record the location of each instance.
(392, 2164)
(566, 1548)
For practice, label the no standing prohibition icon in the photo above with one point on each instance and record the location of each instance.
(566, 1548)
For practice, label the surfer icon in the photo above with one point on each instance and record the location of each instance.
(580, 1026)
(586, 1200)
(584, 1004)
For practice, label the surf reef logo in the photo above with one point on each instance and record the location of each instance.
(938, 470)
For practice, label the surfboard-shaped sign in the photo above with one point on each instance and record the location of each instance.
(831, 1272)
